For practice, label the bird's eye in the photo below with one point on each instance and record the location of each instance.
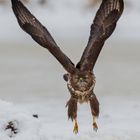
(81, 78)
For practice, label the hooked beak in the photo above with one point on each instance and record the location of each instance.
(81, 80)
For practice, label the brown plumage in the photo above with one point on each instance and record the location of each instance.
(80, 78)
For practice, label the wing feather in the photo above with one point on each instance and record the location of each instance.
(40, 34)
(103, 26)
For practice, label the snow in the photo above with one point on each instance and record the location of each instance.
(119, 120)
(31, 83)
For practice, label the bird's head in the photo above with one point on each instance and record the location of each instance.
(80, 80)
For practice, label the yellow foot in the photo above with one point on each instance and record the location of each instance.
(75, 130)
(95, 126)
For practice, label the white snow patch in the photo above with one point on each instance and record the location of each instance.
(119, 120)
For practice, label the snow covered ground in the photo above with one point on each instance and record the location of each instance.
(31, 79)
(31, 83)
(119, 120)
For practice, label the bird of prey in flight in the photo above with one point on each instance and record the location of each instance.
(80, 77)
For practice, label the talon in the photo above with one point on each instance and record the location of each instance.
(75, 130)
(95, 126)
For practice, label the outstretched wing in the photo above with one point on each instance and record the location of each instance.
(102, 27)
(39, 33)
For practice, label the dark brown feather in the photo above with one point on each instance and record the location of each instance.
(40, 34)
(94, 105)
(72, 108)
(102, 27)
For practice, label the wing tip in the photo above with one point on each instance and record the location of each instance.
(14, 1)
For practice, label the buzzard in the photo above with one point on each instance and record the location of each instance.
(80, 78)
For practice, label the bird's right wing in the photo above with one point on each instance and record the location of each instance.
(40, 34)
(103, 26)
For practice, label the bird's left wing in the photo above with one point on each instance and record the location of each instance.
(102, 27)
(40, 34)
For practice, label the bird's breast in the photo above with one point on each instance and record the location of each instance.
(81, 96)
